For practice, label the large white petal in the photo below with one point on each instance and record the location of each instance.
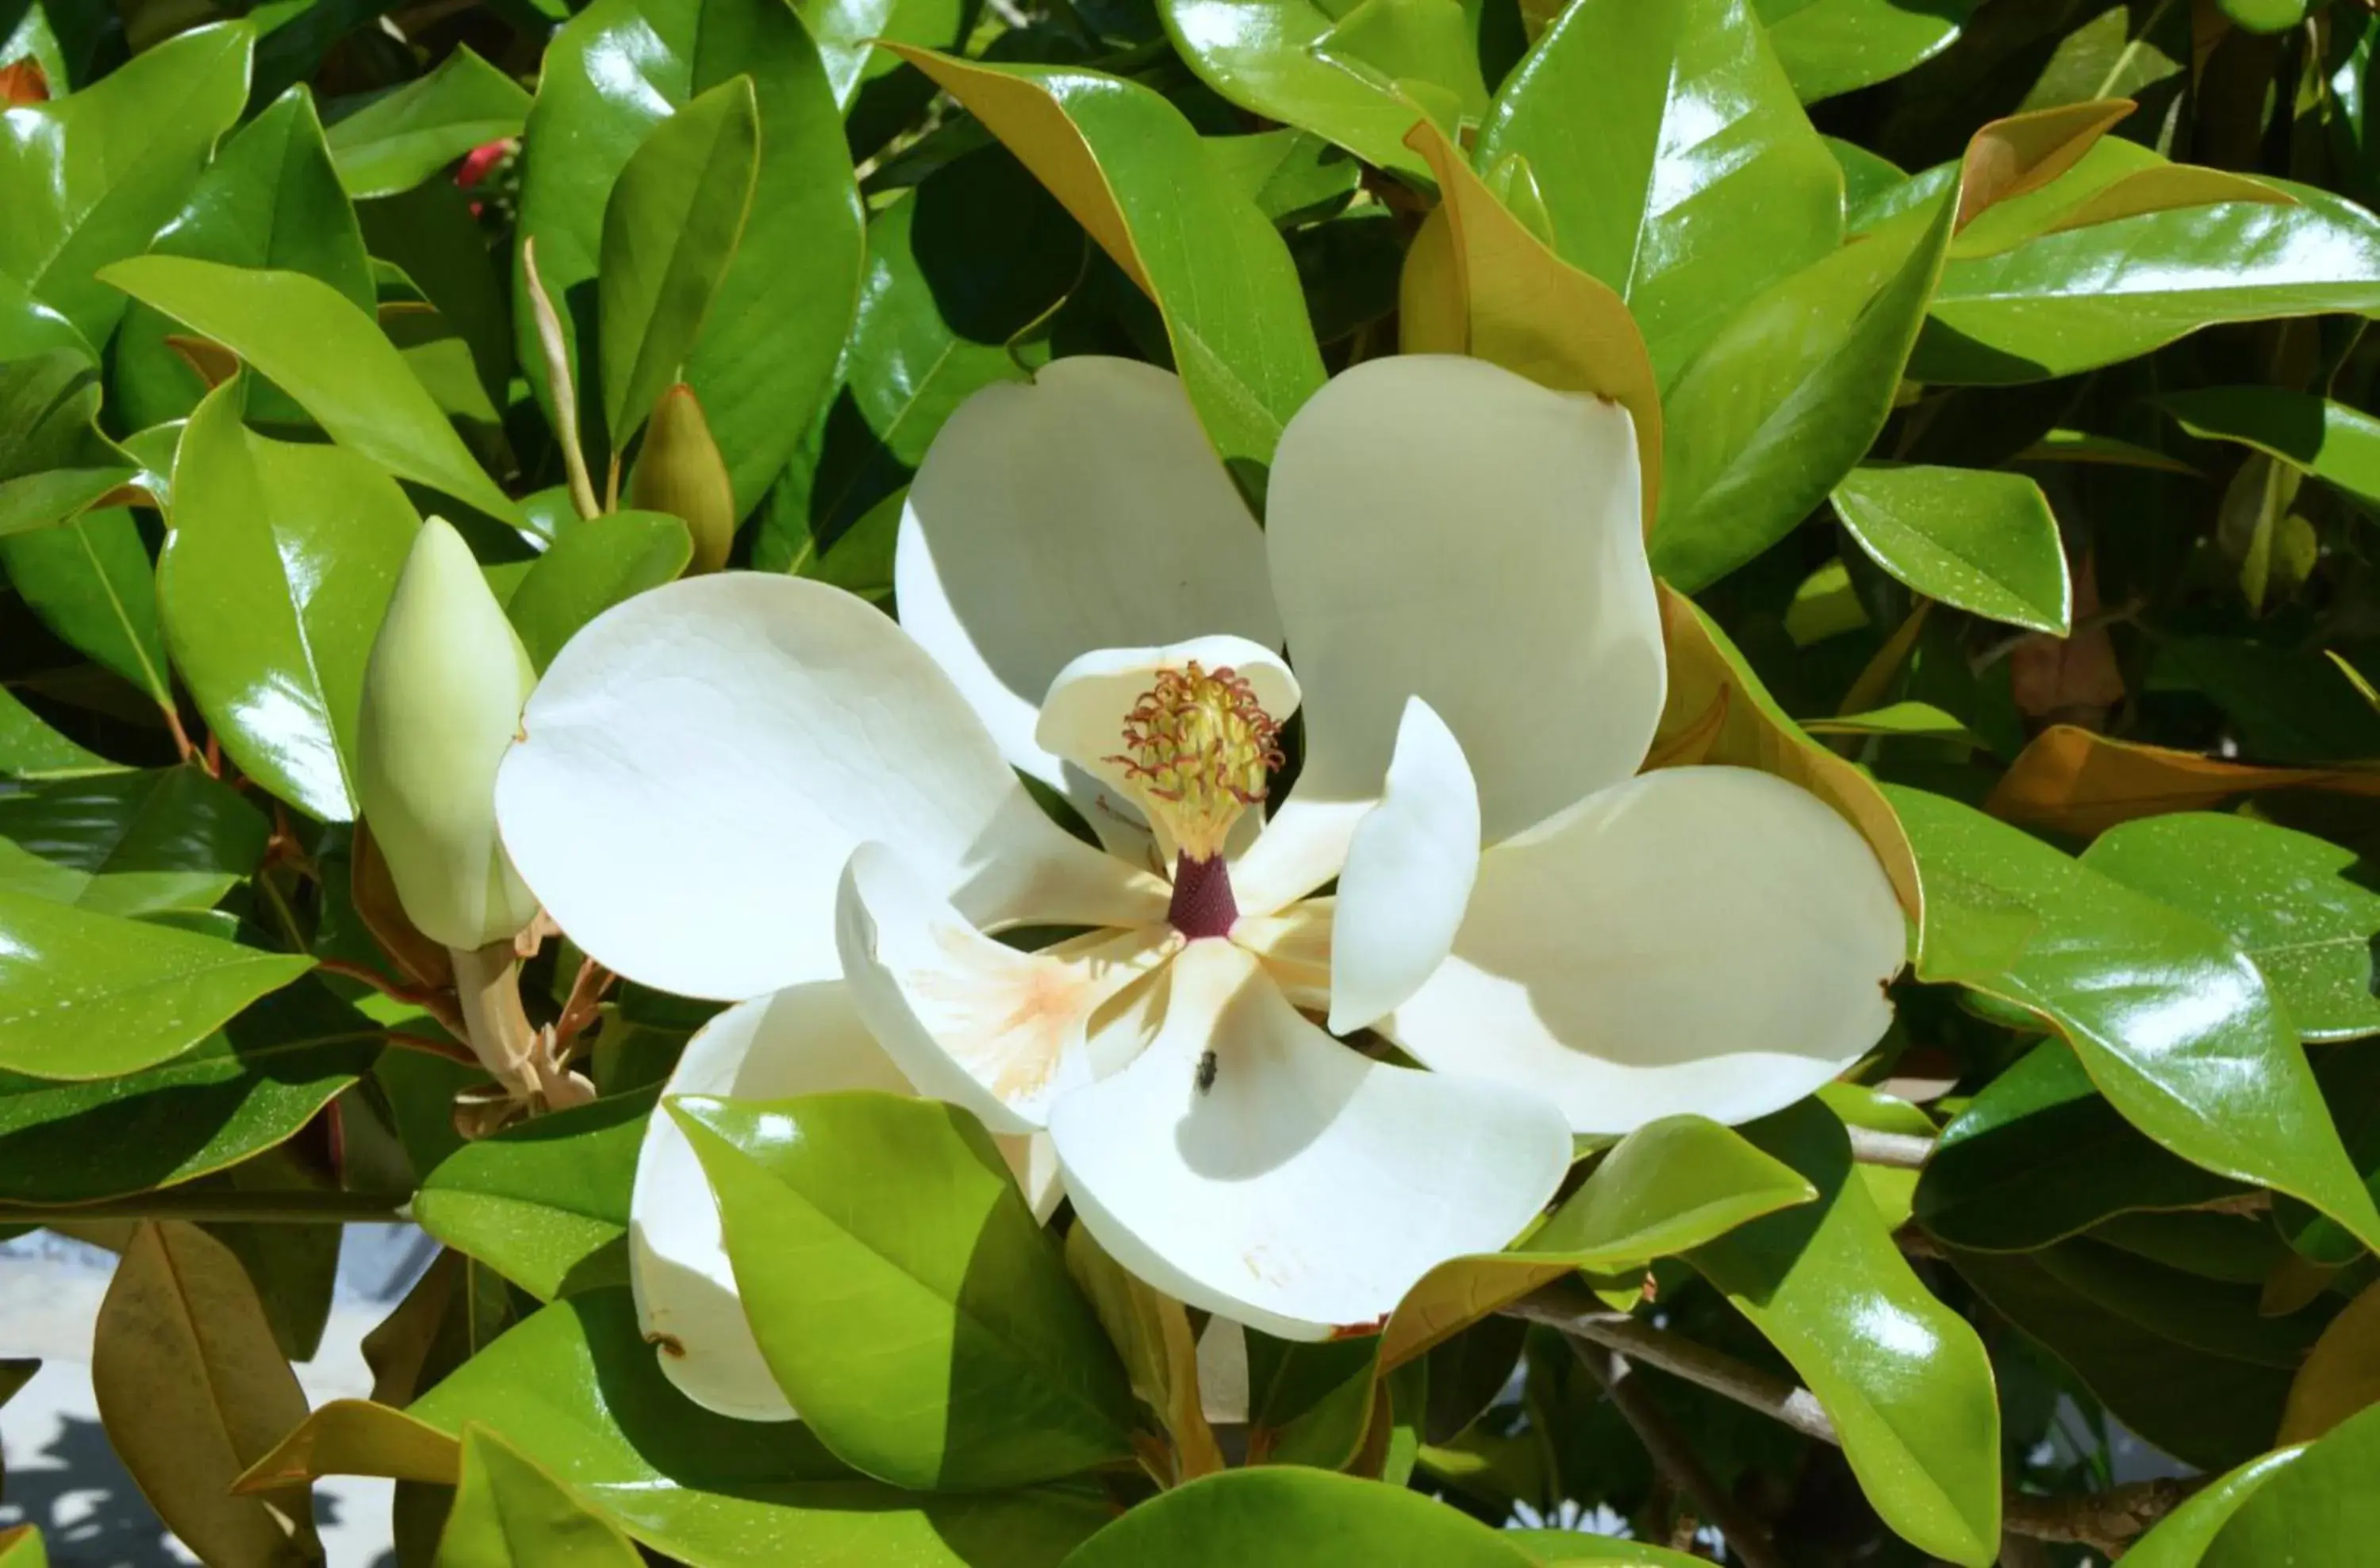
(1408, 876)
(1084, 510)
(701, 761)
(1304, 1187)
(1705, 940)
(1441, 527)
(804, 1041)
(981, 1024)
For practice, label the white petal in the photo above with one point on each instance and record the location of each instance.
(1705, 940)
(1408, 875)
(1441, 527)
(1085, 510)
(701, 761)
(983, 1025)
(804, 1041)
(1305, 1188)
(1223, 1371)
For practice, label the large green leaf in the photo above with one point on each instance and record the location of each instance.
(85, 995)
(545, 1202)
(271, 199)
(1339, 71)
(1133, 173)
(89, 580)
(1674, 159)
(258, 1080)
(272, 584)
(2181, 1538)
(847, 32)
(2039, 1155)
(2334, 442)
(401, 139)
(2206, 1409)
(904, 1295)
(2322, 1508)
(131, 842)
(2081, 297)
(91, 178)
(1291, 1517)
(669, 233)
(1310, 1403)
(1973, 538)
(2291, 900)
(1831, 46)
(1781, 404)
(317, 345)
(576, 1388)
(54, 461)
(591, 566)
(1902, 1377)
(2174, 1023)
(31, 749)
(768, 355)
(509, 1512)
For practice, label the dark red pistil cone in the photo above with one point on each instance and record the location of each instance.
(1203, 905)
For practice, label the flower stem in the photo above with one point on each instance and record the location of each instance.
(487, 984)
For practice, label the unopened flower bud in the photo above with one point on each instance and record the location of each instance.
(679, 471)
(443, 697)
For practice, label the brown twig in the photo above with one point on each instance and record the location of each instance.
(2106, 1522)
(1674, 1457)
(1906, 1151)
(182, 745)
(585, 1001)
(428, 1047)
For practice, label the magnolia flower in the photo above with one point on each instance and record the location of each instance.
(758, 789)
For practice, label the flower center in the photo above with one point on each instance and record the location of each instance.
(1198, 745)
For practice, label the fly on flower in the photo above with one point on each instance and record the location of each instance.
(1450, 588)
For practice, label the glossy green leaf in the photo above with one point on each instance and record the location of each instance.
(54, 461)
(1287, 1517)
(2349, 1076)
(509, 1512)
(316, 346)
(2322, 1508)
(29, 750)
(2209, 1410)
(92, 176)
(1310, 1403)
(1914, 721)
(847, 32)
(263, 1076)
(544, 1202)
(90, 581)
(2039, 1155)
(2212, 1317)
(1674, 160)
(671, 230)
(2083, 298)
(2334, 442)
(904, 1295)
(777, 325)
(1903, 1378)
(401, 139)
(131, 842)
(1134, 174)
(2292, 901)
(1978, 539)
(574, 1387)
(2174, 1024)
(1833, 46)
(270, 199)
(591, 566)
(1781, 406)
(1670, 1186)
(2181, 1538)
(272, 584)
(1291, 61)
(1289, 175)
(86, 995)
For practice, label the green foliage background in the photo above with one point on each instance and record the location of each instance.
(2013, 449)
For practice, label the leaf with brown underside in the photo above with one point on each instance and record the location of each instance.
(2069, 780)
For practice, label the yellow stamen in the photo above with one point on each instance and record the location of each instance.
(1199, 746)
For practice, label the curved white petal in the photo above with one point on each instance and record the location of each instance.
(701, 761)
(1304, 1188)
(1408, 876)
(1084, 510)
(1000, 1032)
(804, 1041)
(1705, 940)
(1439, 526)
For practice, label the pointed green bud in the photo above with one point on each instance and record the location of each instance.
(443, 697)
(679, 471)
